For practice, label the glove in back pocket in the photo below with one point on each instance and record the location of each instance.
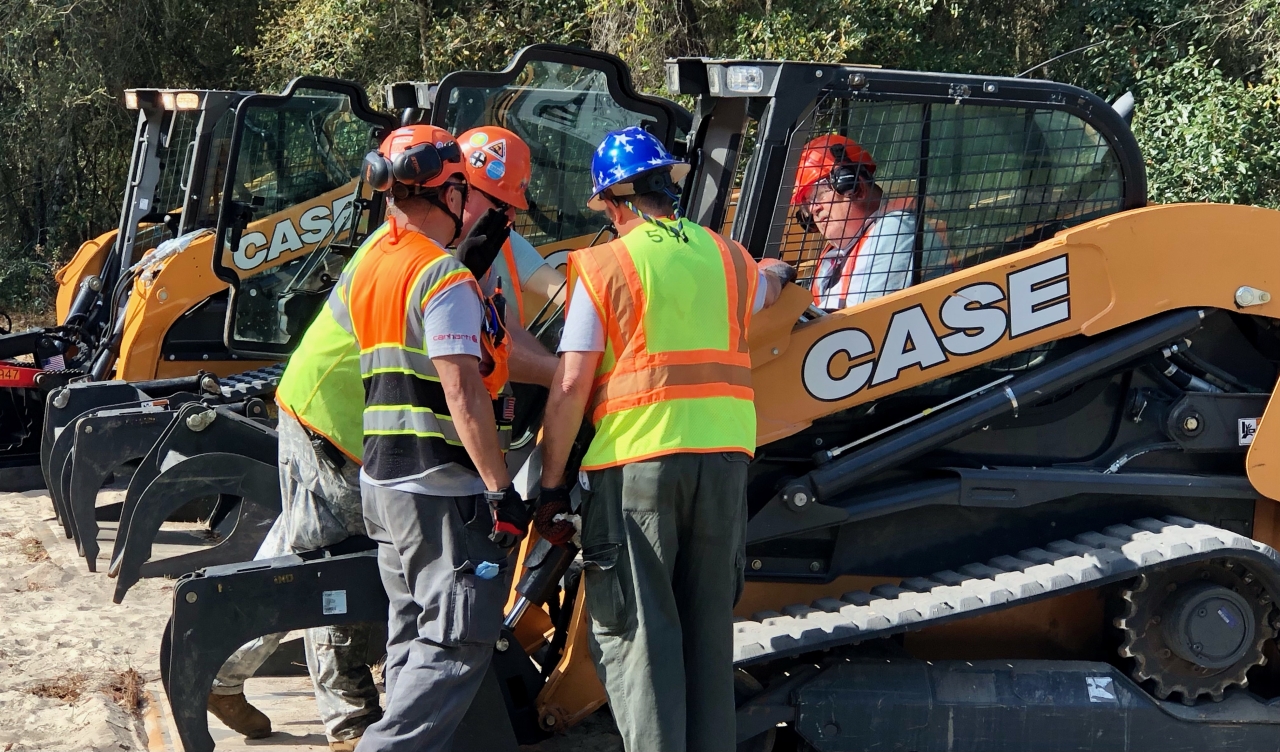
(606, 597)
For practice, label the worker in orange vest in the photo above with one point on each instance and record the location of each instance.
(437, 496)
(655, 351)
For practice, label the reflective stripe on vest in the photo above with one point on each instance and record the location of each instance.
(407, 428)
(516, 290)
(676, 375)
(321, 386)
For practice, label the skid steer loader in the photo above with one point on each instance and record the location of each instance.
(1025, 502)
(167, 314)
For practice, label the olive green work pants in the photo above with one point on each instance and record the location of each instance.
(663, 545)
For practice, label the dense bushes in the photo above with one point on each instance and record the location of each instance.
(1207, 75)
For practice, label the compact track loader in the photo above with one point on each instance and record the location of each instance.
(1025, 502)
(169, 307)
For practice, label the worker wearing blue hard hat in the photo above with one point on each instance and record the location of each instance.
(655, 353)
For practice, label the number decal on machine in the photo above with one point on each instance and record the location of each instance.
(971, 319)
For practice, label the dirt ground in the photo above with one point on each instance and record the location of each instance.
(79, 673)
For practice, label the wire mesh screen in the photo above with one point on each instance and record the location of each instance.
(295, 152)
(215, 173)
(889, 194)
(745, 152)
(174, 153)
(562, 112)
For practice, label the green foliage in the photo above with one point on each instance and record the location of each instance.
(372, 41)
(1206, 74)
(380, 41)
(1207, 137)
(65, 151)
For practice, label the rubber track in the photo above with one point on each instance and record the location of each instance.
(256, 383)
(1089, 560)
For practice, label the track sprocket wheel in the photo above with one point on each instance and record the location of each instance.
(1195, 630)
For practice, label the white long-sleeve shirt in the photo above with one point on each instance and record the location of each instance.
(876, 263)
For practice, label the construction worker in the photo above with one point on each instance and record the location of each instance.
(321, 433)
(655, 351)
(320, 449)
(498, 167)
(436, 492)
(870, 241)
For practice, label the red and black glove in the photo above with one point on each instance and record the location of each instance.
(510, 517)
(553, 501)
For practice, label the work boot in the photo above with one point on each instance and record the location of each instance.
(239, 716)
(346, 745)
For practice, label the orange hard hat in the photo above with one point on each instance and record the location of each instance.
(823, 154)
(497, 162)
(424, 156)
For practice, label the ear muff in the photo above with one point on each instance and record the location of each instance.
(377, 171)
(846, 178)
(656, 181)
(418, 165)
(415, 166)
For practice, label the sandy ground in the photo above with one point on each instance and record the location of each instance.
(66, 650)
(62, 640)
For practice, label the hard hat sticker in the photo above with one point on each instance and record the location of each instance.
(498, 148)
(479, 139)
(478, 159)
(496, 170)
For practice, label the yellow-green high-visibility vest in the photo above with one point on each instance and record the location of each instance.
(676, 372)
(321, 386)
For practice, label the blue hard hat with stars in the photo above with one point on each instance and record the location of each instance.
(626, 154)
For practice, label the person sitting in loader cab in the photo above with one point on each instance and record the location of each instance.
(870, 240)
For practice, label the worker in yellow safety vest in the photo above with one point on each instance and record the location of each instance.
(655, 352)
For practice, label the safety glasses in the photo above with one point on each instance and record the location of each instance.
(501, 206)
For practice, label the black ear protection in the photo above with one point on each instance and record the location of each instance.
(846, 178)
(656, 181)
(411, 167)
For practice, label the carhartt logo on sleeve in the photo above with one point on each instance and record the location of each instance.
(449, 337)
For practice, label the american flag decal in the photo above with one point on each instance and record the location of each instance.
(508, 409)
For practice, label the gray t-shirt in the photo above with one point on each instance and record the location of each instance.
(451, 325)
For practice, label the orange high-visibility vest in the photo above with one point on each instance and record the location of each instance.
(407, 426)
(517, 291)
(676, 373)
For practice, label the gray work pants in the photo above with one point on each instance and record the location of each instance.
(663, 545)
(321, 507)
(443, 619)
